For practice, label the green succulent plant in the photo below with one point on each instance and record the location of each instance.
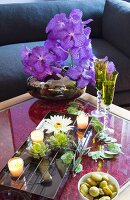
(59, 140)
(38, 150)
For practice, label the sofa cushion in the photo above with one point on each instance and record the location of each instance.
(27, 21)
(12, 77)
(116, 24)
(102, 48)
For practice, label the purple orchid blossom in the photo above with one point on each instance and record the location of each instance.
(76, 16)
(26, 52)
(67, 36)
(71, 36)
(55, 48)
(110, 67)
(57, 23)
(81, 75)
(40, 59)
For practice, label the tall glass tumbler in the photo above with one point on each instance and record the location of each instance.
(100, 68)
(107, 96)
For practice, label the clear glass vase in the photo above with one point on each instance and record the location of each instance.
(54, 89)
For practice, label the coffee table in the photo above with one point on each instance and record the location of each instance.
(20, 115)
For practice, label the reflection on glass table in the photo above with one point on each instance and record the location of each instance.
(13, 195)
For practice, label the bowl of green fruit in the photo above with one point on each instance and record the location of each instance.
(98, 186)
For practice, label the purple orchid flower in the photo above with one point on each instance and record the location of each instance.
(57, 23)
(67, 36)
(87, 64)
(105, 58)
(39, 62)
(76, 16)
(25, 54)
(87, 21)
(110, 67)
(71, 36)
(87, 32)
(55, 48)
(82, 76)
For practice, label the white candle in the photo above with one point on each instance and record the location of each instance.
(37, 136)
(82, 121)
(16, 166)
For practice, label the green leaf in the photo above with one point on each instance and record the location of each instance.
(114, 147)
(67, 157)
(98, 126)
(102, 137)
(73, 104)
(79, 168)
(107, 139)
(105, 155)
(95, 154)
(94, 119)
(72, 110)
(113, 140)
(78, 161)
(84, 151)
(110, 153)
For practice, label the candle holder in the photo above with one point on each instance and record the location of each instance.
(37, 136)
(80, 133)
(82, 121)
(16, 166)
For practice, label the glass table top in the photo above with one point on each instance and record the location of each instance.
(17, 122)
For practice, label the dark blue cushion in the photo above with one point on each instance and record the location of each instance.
(116, 24)
(27, 22)
(12, 77)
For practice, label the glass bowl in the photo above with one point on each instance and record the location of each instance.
(112, 181)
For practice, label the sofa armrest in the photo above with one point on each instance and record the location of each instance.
(26, 22)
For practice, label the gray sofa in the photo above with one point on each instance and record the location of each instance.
(24, 25)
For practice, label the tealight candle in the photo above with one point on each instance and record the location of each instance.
(16, 166)
(37, 136)
(82, 121)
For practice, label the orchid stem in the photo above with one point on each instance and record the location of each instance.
(72, 61)
(71, 56)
